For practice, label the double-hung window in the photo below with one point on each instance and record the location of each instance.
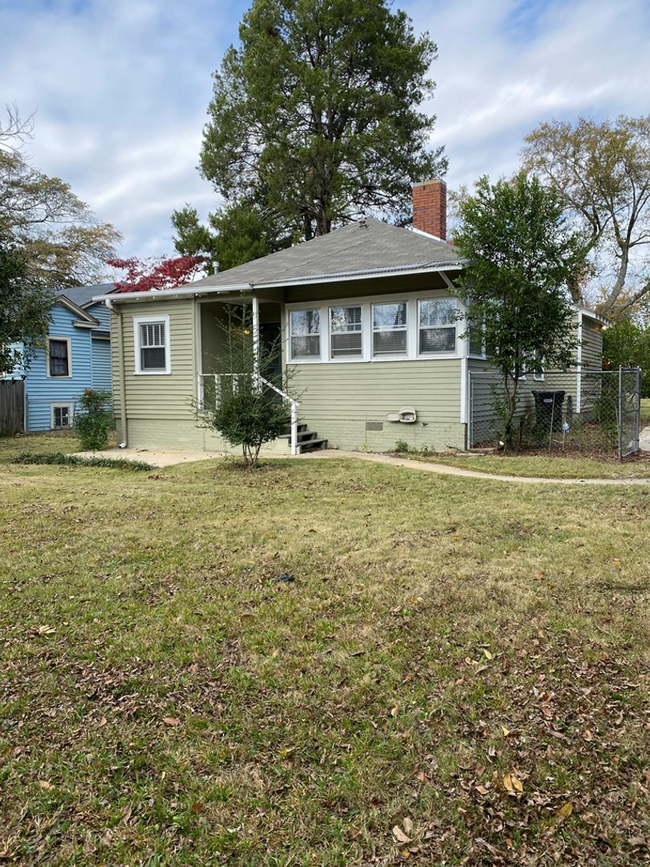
(304, 329)
(346, 332)
(152, 351)
(59, 357)
(389, 329)
(437, 325)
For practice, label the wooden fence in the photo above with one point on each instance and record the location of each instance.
(12, 407)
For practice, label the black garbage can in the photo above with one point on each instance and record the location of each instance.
(548, 411)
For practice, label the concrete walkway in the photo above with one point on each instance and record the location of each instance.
(170, 458)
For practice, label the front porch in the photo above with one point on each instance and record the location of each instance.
(241, 346)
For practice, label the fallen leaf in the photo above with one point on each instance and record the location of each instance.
(407, 824)
(482, 790)
(487, 653)
(588, 735)
(400, 836)
(505, 731)
(637, 841)
(394, 710)
(46, 630)
(171, 721)
(196, 807)
(565, 811)
(43, 784)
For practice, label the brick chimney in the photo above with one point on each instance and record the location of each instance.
(430, 207)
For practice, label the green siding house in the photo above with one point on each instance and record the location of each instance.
(368, 326)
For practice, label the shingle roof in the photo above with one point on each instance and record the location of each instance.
(82, 295)
(352, 249)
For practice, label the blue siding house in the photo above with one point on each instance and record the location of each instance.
(76, 356)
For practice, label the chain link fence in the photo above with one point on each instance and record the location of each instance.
(590, 411)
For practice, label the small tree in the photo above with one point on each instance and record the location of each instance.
(95, 420)
(244, 411)
(521, 258)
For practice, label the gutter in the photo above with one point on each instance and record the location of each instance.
(109, 305)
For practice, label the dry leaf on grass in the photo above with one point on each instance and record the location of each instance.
(171, 721)
(400, 836)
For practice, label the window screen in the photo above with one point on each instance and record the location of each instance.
(152, 346)
(305, 333)
(59, 361)
(345, 332)
(389, 329)
(437, 325)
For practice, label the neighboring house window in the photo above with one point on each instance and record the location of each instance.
(152, 351)
(58, 356)
(389, 329)
(538, 376)
(345, 332)
(305, 333)
(476, 333)
(437, 325)
(61, 415)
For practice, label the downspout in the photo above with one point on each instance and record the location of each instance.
(579, 383)
(122, 379)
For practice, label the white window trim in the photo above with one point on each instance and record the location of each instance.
(366, 304)
(47, 357)
(306, 359)
(389, 356)
(150, 320)
(62, 405)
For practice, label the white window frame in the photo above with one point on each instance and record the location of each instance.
(62, 405)
(449, 326)
(163, 320)
(51, 375)
(366, 303)
(305, 359)
(356, 356)
(386, 356)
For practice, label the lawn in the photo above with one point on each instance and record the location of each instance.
(547, 466)
(457, 674)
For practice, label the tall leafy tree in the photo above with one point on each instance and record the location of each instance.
(24, 306)
(238, 232)
(315, 113)
(602, 173)
(521, 259)
(65, 244)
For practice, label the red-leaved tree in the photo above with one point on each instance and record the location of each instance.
(161, 273)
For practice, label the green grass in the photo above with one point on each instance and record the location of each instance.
(446, 642)
(547, 466)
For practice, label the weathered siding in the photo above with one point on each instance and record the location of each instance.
(348, 402)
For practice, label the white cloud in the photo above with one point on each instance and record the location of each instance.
(121, 88)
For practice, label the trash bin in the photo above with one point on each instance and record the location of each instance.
(548, 411)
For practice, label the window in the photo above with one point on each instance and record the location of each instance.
(389, 329)
(304, 328)
(61, 416)
(345, 332)
(437, 325)
(152, 351)
(58, 356)
(476, 335)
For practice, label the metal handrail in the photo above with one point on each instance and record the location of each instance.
(261, 381)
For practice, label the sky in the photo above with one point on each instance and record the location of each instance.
(120, 89)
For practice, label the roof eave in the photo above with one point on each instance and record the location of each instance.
(246, 288)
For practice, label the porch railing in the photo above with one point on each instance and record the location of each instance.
(216, 378)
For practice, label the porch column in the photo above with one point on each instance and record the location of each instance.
(255, 304)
